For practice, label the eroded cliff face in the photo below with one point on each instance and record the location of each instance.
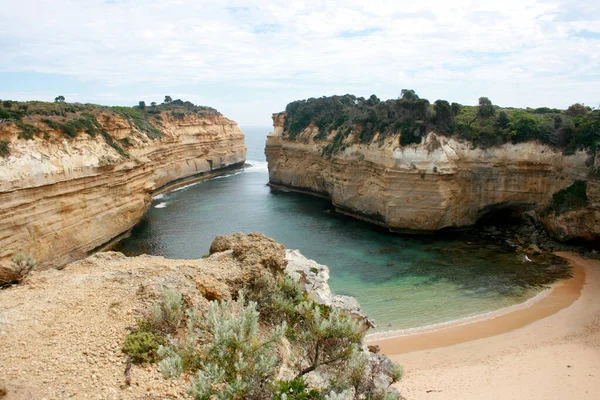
(437, 184)
(62, 197)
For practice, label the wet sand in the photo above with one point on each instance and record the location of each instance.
(549, 350)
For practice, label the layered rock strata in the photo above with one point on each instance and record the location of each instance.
(61, 197)
(440, 183)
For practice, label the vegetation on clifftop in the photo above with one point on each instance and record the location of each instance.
(485, 125)
(40, 118)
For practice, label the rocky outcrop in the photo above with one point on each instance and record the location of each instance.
(581, 224)
(440, 183)
(62, 197)
(314, 277)
(257, 252)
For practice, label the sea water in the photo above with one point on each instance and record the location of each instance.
(401, 281)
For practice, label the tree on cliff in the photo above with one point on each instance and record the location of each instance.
(168, 99)
(408, 95)
(153, 104)
(142, 105)
(577, 109)
(485, 110)
(59, 99)
(444, 116)
(503, 120)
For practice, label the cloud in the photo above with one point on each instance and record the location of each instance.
(515, 52)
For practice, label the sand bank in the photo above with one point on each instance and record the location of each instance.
(549, 350)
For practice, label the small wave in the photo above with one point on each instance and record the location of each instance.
(186, 186)
(161, 205)
(460, 321)
(160, 196)
(225, 176)
(256, 166)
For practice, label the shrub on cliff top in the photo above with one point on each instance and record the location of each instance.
(411, 117)
(238, 363)
(165, 315)
(295, 389)
(236, 350)
(143, 346)
(27, 130)
(325, 338)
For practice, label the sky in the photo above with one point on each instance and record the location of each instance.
(248, 59)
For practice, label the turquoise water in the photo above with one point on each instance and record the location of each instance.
(401, 281)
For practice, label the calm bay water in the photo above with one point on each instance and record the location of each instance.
(401, 281)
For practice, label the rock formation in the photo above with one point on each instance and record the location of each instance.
(440, 183)
(62, 197)
(314, 277)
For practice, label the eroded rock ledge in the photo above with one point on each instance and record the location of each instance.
(62, 197)
(440, 183)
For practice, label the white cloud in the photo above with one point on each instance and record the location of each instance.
(516, 52)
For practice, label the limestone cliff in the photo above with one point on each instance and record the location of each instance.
(62, 196)
(441, 182)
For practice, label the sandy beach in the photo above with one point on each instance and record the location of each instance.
(549, 350)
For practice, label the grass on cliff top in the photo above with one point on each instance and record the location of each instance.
(411, 118)
(74, 118)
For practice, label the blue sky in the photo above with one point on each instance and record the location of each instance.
(249, 59)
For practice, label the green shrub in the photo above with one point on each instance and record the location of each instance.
(22, 265)
(238, 364)
(233, 357)
(139, 118)
(276, 299)
(570, 198)
(27, 130)
(143, 346)
(121, 151)
(325, 337)
(177, 115)
(166, 314)
(295, 389)
(4, 149)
